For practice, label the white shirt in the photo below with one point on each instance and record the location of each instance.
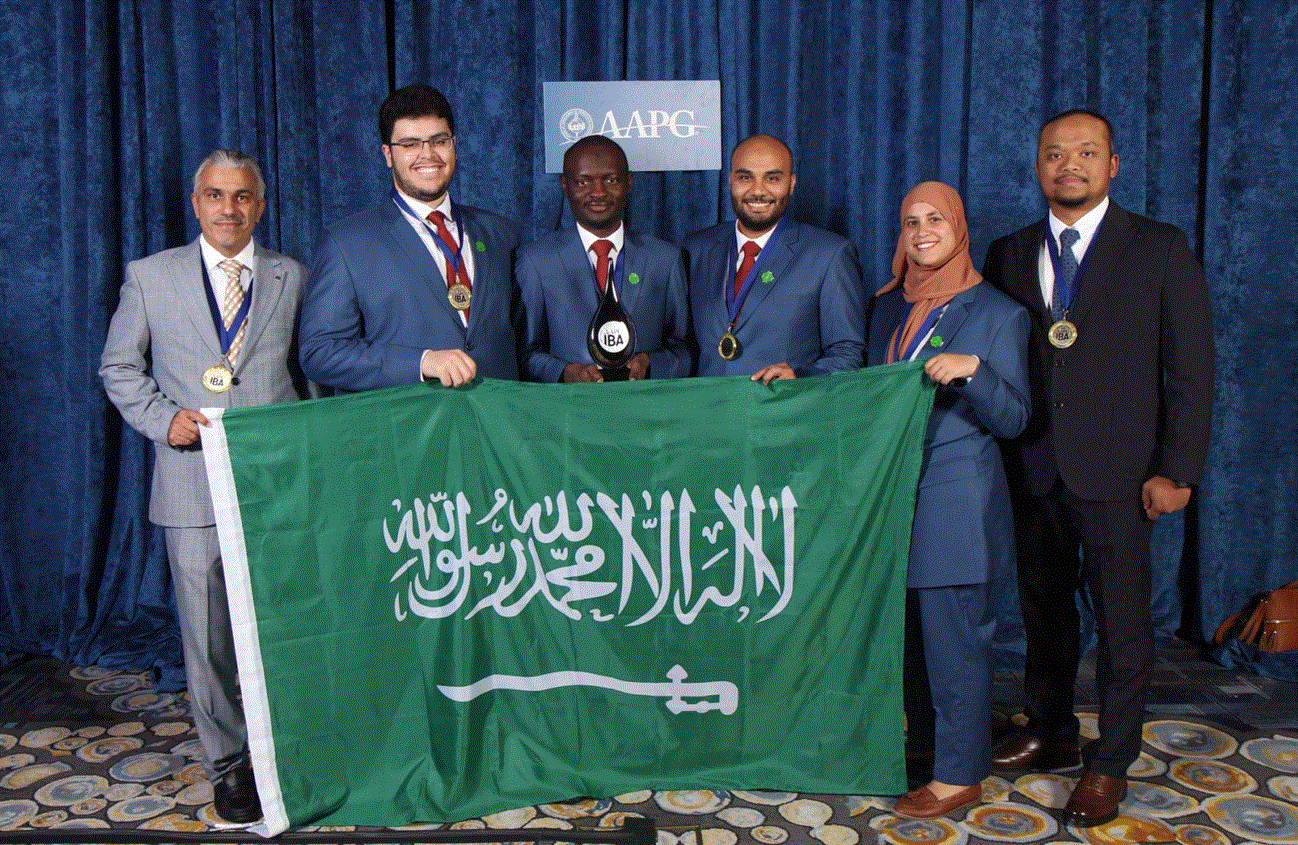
(216, 276)
(741, 239)
(1086, 228)
(588, 238)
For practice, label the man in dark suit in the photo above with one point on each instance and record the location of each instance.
(562, 276)
(210, 324)
(772, 298)
(1120, 364)
(418, 287)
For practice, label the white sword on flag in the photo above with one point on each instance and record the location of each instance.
(712, 695)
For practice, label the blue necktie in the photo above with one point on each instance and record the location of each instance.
(1067, 272)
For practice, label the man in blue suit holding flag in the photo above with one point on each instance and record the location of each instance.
(417, 287)
(772, 298)
(563, 275)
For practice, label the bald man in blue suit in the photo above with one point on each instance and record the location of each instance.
(418, 287)
(557, 277)
(799, 309)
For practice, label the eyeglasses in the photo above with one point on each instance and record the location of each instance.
(439, 143)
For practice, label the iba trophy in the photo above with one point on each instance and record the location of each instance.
(611, 336)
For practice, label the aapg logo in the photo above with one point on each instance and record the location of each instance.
(576, 123)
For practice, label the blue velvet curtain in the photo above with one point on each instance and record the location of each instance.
(107, 107)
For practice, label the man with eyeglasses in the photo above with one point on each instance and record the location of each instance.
(418, 287)
(563, 276)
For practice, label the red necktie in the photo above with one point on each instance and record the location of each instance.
(746, 266)
(461, 272)
(601, 248)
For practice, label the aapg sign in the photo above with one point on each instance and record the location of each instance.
(669, 125)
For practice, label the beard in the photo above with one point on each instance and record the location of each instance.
(424, 195)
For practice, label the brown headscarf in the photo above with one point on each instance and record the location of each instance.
(930, 288)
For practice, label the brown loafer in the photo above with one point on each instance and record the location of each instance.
(1025, 751)
(1095, 799)
(923, 804)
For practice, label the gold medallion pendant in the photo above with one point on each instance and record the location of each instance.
(728, 347)
(218, 379)
(459, 296)
(1063, 334)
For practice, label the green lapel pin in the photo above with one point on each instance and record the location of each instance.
(633, 278)
(935, 341)
(767, 277)
(479, 246)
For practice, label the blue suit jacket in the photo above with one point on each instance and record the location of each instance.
(964, 530)
(559, 296)
(810, 315)
(377, 299)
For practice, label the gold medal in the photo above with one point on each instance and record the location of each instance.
(459, 296)
(218, 379)
(728, 347)
(1063, 334)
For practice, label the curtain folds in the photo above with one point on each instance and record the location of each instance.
(107, 107)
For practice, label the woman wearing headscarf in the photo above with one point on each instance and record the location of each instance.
(973, 341)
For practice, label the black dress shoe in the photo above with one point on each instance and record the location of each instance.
(1025, 751)
(236, 796)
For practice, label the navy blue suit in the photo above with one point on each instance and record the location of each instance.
(559, 294)
(377, 299)
(963, 534)
(811, 314)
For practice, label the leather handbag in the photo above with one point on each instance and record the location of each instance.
(1270, 623)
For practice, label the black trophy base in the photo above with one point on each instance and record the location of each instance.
(615, 373)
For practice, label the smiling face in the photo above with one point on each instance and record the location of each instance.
(227, 207)
(929, 238)
(421, 153)
(1075, 161)
(596, 182)
(761, 183)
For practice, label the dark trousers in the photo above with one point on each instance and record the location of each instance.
(1113, 539)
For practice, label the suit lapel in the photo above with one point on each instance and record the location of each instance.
(779, 257)
(576, 267)
(633, 261)
(188, 278)
(1110, 242)
(948, 326)
(473, 233)
(267, 288)
(715, 278)
(1028, 278)
(425, 270)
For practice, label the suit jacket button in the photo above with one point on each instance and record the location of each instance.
(1059, 404)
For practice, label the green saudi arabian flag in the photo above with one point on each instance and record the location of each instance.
(450, 603)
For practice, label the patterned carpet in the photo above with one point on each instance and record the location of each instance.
(98, 749)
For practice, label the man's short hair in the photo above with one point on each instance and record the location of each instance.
(413, 101)
(594, 141)
(1108, 127)
(230, 158)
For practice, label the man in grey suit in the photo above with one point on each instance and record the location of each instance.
(209, 324)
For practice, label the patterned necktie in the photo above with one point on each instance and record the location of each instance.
(461, 272)
(601, 248)
(230, 307)
(1067, 272)
(751, 249)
